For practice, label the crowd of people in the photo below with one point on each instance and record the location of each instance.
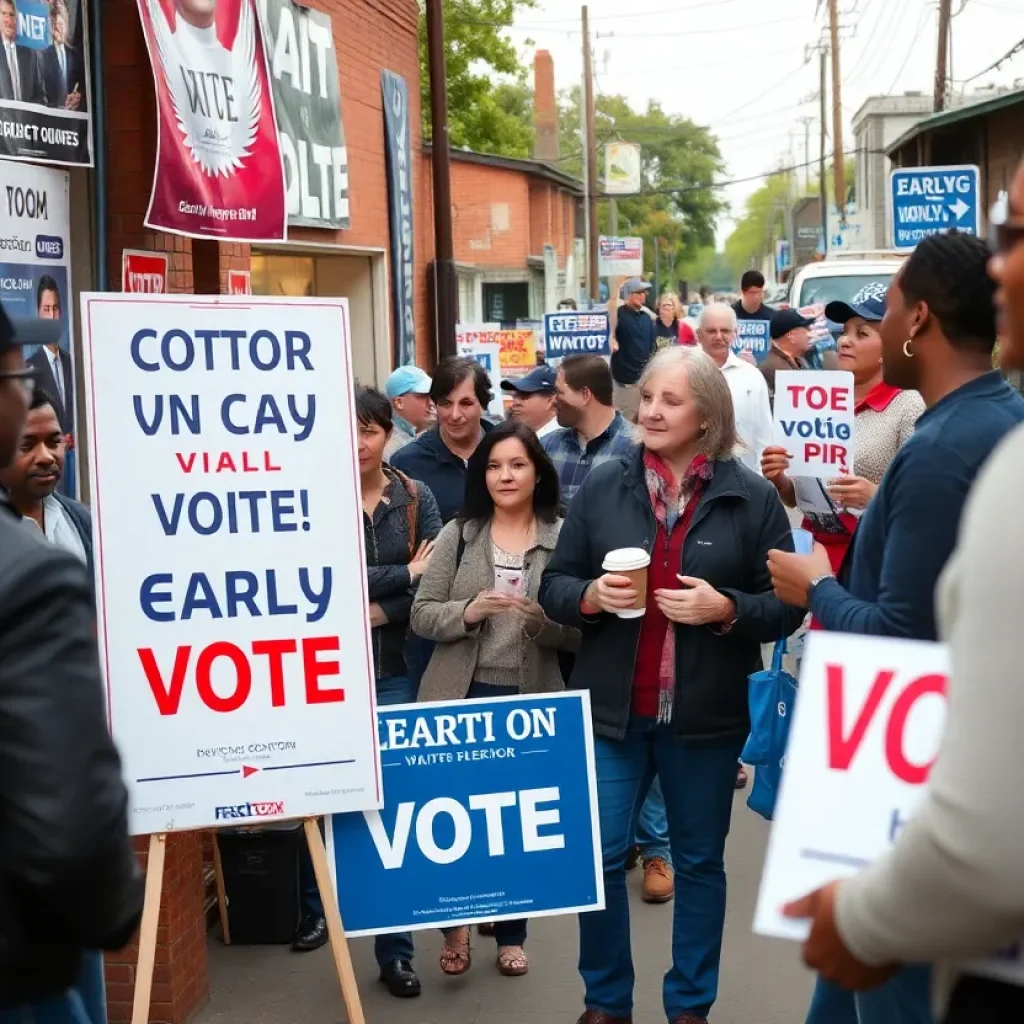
(489, 574)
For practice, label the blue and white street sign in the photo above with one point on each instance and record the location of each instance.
(571, 333)
(490, 814)
(927, 201)
(754, 336)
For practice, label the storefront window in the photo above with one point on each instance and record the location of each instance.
(282, 275)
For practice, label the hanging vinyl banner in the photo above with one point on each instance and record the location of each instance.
(218, 171)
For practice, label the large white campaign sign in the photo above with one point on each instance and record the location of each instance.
(814, 421)
(230, 580)
(865, 733)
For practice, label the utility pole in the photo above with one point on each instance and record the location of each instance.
(945, 21)
(838, 171)
(446, 296)
(807, 153)
(593, 285)
(822, 198)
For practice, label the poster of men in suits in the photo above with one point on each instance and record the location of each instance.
(44, 82)
(35, 287)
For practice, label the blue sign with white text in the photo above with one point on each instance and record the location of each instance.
(753, 336)
(490, 814)
(571, 333)
(927, 201)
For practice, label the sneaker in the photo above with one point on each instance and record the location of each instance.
(659, 881)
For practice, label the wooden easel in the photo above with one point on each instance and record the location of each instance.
(151, 918)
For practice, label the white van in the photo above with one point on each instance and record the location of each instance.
(840, 277)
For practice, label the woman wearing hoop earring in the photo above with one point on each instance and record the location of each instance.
(938, 335)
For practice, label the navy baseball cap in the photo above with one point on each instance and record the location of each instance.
(540, 378)
(785, 320)
(868, 303)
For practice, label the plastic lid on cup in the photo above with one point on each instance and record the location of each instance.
(626, 559)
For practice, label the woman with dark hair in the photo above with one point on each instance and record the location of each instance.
(478, 601)
(400, 522)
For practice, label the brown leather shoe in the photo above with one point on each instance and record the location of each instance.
(659, 881)
(600, 1017)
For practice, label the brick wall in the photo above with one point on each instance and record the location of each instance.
(370, 35)
(490, 214)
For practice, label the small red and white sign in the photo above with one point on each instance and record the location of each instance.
(239, 282)
(814, 417)
(144, 273)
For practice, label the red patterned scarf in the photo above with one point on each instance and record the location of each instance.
(673, 505)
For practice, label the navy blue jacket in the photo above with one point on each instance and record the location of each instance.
(738, 520)
(429, 460)
(910, 528)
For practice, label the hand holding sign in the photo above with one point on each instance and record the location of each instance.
(814, 416)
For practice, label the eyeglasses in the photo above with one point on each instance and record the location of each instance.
(25, 378)
(1006, 229)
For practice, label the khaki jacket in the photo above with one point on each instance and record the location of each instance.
(446, 589)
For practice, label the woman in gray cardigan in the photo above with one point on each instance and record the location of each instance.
(478, 601)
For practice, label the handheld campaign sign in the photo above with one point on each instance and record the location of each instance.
(488, 355)
(753, 336)
(572, 333)
(864, 736)
(814, 421)
(239, 677)
(490, 814)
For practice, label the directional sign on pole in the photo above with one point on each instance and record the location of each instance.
(926, 201)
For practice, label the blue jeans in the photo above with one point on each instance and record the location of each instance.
(903, 999)
(86, 1003)
(650, 826)
(698, 781)
(398, 945)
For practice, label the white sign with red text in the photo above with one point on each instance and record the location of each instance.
(230, 572)
(866, 730)
(814, 421)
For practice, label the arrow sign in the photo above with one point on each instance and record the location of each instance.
(926, 201)
(247, 771)
(959, 208)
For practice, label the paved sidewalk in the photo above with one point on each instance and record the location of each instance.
(762, 980)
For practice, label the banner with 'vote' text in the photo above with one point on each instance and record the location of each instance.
(230, 572)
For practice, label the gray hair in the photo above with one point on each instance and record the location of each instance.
(710, 393)
(718, 307)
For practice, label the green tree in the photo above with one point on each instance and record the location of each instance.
(763, 220)
(678, 204)
(489, 101)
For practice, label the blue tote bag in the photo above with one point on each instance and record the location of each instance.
(771, 698)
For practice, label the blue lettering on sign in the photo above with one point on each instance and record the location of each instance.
(489, 814)
(927, 201)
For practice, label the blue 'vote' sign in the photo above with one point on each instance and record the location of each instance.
(490, 813)
(754, 336)
(927, 201)
(573, 333)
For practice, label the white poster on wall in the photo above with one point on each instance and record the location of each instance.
(230, 572)
(35, 287)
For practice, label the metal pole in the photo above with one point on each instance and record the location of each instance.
(593, 284)
(822, 198)
(445, 282)
(99, 148)
(839, 172)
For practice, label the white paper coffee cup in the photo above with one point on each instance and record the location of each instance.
(634, 563)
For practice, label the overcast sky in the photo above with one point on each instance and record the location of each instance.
(739, 65)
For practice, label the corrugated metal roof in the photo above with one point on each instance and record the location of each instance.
(948, 117)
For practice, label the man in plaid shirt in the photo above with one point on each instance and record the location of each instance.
(593, 430)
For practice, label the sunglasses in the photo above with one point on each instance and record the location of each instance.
(1006, 229)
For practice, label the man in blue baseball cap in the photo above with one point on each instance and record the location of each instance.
(533, 399)
(408, 391)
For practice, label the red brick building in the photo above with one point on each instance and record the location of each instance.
(514, 224)
(369, 35)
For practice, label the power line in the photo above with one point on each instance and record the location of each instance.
(764, 92)
(624, 35)
(1009, 55)
(921, 22)
(547, 23)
